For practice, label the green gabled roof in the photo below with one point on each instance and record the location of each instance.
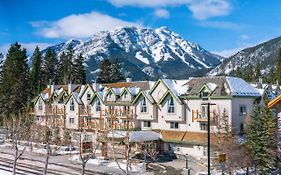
(85, 89)
(205, 87)
(94, 97)
(141, 93)
(109, 90)
(155, 85)
(124, 90)
(166, 95)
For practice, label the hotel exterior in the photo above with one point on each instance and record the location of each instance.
(174, 108)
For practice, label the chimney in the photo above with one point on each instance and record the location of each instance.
(128, 79)
(52, 87)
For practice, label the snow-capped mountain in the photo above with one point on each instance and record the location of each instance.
(144, 53)
(265, 53)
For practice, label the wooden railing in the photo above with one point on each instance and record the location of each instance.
(198, 116)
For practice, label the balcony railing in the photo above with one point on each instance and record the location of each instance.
(117, 113)
(198, 116)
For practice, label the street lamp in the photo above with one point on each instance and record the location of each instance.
(209, 134)
(186, 161)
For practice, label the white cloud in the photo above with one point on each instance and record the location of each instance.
(201, 9)
(204, 9)
(28, 46)
(80, 25)
(244, 36)
(162, 13)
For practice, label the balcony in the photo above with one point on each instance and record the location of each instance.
(203, 116)
(117, 113)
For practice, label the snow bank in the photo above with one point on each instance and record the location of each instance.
(133, 168)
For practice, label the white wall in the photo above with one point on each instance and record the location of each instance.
(71, 114)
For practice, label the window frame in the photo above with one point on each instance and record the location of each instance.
(174, 125)
(72, 105)
(242, 110)
(40, 105)
(171, 105)
(147, 124)
(98, 105)
(203, 126)
(143, 106)
(71, 120)
(88, 97)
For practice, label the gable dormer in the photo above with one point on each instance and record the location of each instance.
(110, 95)
(206, 91)
(87, 94)
(125, 95)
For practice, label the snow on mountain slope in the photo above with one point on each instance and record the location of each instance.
(150, 53)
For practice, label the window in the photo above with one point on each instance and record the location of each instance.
(243, 110)
(174, 125)
(143, 105)
(98, 105)
(40, 105)
(203, 126)
(241, 128)
(171, 105)
(204, 111)
(205, 95)
(71, 120)
(71, 107)
(88, 96)
(125, 95)
(146, 124)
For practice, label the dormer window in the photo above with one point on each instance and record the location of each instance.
(98, 105)
(143, 106)
(71, 107)
(171, 105)
(205, 95)
(88, 96)
(40, 105)
(125, 95)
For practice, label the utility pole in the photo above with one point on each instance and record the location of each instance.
(209, 134)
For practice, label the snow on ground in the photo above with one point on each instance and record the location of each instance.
(3, 172)
(134, 168)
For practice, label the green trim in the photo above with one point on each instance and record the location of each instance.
(117, 103)
(165, 96)
(123, 91)
(94, 97)
(205, 87)
(110, 90)
(138, 96)
(211, 97)
(155, 85)
(85, 89)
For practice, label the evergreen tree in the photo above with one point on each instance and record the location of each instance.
(278, 67)
(79, 75)
(66, 66)
(116, 73)
(261, 139)
(14, 85)
(36, 72)
(49, 66)
(257, 71)
(238, 72)
(104, 74)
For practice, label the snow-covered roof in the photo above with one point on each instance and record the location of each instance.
(177, 87)
(76, 96)
(239, 87)
(136, 136)
(133, 90)
(212, 86)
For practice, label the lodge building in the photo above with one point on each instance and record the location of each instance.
(174, 108)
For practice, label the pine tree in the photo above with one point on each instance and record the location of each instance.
(238, 72)
(79, 75)
(66, 66)
(257, 71)
(104, 74)
(116, 72)
(49, 66)
(261, 139)
(14, 91)
(36, 72)
(278, 67)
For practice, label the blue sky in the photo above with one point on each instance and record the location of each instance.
(221, 26)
